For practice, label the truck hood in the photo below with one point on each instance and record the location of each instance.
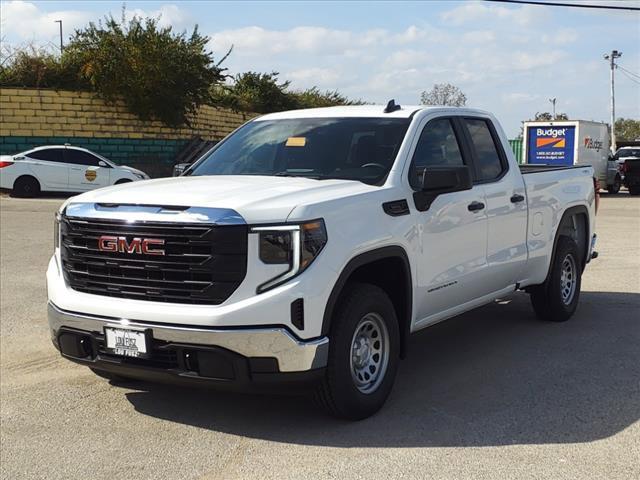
(258, 199)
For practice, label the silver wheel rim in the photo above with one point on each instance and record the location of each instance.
(369, 353)
(568, 279)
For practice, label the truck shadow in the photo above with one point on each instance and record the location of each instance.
(495, 376)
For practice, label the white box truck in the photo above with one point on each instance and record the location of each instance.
(569, 143)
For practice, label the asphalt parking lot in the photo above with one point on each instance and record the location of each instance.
(491, 394)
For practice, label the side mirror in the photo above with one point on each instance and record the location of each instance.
(439, 180)
(102, 163)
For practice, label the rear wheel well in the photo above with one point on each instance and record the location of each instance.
(575, 225)
(391, 273)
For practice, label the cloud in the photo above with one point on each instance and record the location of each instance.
(482, 13)
(169, 15)
(25, 21)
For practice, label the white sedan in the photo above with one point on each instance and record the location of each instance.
(61, 168)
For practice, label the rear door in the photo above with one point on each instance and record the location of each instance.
(506, 206)
(86, 172)
(452, 232)
(48, 166)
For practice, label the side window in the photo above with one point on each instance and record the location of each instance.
(437, 147)
(79, 157)
(487, 159)
(48, 155)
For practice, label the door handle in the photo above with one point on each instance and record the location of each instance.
(76, 169)
(517, 198)
(475, 206)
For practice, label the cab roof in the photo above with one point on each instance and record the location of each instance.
(368, 111)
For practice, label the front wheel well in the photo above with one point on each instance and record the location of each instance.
(386, 269)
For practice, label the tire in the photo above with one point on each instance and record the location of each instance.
(26, 187)
(123, 180)
(615, 188)
(355, 385)
(112, 377)
(556, 300)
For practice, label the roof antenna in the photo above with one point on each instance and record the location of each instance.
(391, 106)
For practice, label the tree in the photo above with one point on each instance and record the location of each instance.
(627, 129)
(313, 97)
(264, 93)
(254, 92)
(158, 74)
(547, 117)
(444, 94)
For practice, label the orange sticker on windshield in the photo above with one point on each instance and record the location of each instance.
(296, 142)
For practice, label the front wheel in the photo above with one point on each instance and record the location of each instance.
(364, 352)
(556, 299)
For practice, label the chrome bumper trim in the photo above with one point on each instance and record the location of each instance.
(292, 354)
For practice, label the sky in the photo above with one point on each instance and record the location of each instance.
(509, 59)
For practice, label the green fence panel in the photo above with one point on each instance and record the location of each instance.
(517, 147)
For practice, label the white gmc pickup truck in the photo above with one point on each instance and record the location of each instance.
(307, 246)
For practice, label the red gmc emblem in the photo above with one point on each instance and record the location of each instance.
(144, 246)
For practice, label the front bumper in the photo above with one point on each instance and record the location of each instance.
(199, 353)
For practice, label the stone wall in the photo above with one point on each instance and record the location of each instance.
(36, 117)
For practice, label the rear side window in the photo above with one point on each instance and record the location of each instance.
(48, 155)
(437, 147)
(488, 164)
(79, 157)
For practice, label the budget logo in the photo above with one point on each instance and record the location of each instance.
(551, 138)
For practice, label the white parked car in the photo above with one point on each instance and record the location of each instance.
(61, 168)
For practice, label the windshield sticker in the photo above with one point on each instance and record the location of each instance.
(296, 141)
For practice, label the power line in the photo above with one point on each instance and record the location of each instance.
(630, 77)
(562, 4)
(628, 71)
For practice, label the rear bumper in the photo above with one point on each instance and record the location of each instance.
(233, 357)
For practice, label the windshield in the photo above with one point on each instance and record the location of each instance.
(628, 152)
(360, 149)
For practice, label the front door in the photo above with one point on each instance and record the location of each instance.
(452, 232)
(85, 172)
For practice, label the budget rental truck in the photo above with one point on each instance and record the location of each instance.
(306, 247)
(574, 142)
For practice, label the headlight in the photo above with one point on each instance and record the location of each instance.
(294, 245)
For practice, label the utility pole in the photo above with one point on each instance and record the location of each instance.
(553, 102)
(60, 22)
(611, 57)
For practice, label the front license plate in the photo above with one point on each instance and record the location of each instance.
(126, 342)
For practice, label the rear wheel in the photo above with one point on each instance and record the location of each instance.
(123, 180)
(615, 187)
(26, 187)
(363, 354)
(556, 300)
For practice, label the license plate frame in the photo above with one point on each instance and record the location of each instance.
(127, 342)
